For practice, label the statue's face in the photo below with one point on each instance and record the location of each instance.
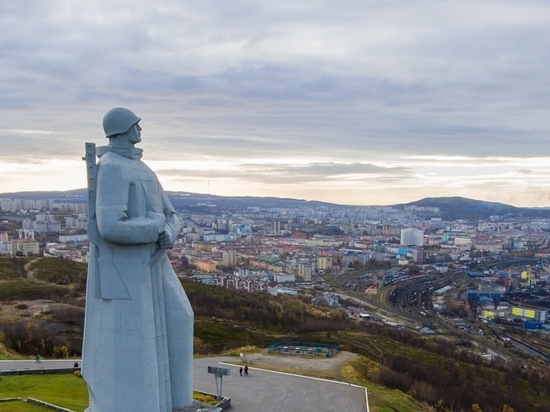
(134, 134)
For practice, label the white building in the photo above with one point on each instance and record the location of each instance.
(26, 234)
(4, 237)
(279, 290)
(282, 278)
(412, 237)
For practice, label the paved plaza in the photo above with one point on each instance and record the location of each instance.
(260, 391)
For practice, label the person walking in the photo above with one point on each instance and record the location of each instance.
(37, 358)
(246, 370)
(241, 371)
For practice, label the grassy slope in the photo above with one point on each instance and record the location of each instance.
(65, 390)
(382, 399)
(214, 331)
(14, 284)
(20, 406)
(7, 355)
(13, 267)
(53, 269)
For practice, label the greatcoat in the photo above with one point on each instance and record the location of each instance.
(138, 332)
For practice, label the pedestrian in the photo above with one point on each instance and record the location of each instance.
(246, 370)
(241, 371)
(37, 358)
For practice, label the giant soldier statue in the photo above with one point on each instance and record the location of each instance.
(138, 333)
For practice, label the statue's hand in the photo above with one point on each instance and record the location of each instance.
(165, 240)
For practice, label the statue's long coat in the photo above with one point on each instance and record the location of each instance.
(138, 337)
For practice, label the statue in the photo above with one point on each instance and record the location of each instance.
(138, 331)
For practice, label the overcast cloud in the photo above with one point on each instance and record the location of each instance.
(359, 102)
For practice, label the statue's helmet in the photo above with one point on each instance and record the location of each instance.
(118, 120)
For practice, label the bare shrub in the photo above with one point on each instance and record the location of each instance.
(31, 338)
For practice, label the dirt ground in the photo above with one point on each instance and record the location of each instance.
(31, 308)
(301, 364)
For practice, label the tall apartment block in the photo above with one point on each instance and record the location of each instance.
(412, 237)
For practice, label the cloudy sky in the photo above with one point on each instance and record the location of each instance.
(354, 102)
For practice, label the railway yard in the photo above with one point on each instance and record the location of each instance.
(418, 303)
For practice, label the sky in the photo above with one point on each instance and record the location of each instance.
(359, 102)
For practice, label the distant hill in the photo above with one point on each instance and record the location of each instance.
(451, 208)
(70, 196)
(212, 202)
(187, 200)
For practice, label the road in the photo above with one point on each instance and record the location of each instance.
(22, 365)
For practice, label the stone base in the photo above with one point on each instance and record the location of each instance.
(196, 407)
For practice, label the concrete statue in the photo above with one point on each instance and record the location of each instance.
(138, 332)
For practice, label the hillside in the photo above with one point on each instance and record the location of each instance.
(184, 200)
(451, 208)
(39, 316)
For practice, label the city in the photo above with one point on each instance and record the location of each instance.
(407, 265)
(294, 140)
(475, 289)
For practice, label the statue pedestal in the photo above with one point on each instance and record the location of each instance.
(196, 407)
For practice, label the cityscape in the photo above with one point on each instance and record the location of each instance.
(293, 140)
(502, 259)
(477, 286)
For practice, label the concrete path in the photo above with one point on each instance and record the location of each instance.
(21, 365)
(260, 391)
